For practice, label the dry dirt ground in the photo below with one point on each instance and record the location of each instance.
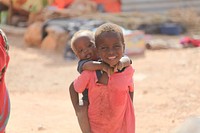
(167, 88)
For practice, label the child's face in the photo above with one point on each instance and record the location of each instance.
(85, 48)
(110, 48)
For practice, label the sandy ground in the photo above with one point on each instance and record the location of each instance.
(167, 89)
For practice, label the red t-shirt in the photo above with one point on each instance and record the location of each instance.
(110, 109)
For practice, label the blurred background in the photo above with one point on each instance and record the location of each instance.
(162, 38)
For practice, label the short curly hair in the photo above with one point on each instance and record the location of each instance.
(108, 27)
(81, 33)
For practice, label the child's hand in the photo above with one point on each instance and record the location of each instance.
(119, 66)
(109, 70)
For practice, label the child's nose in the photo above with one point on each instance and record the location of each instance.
(111, 51)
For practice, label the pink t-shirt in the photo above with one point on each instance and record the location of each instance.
(110, 109)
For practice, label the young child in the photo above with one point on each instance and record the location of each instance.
(82, 43)
(110, 108)
(4, 98)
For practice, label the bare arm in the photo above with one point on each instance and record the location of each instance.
(93, 65)
(74, 97)
(81, 111)
(96, 65)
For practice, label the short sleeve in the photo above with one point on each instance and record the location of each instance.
(80, 65)
(82, 81)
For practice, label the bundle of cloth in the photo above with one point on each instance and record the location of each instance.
(190, 42)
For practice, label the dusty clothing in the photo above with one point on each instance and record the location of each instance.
(4, 98)
(110, 109)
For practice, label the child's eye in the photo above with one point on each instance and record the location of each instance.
(103, 48)
(117, 46)
(80, 51)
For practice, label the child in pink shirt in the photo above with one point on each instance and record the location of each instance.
(110, 107)
(82, 43)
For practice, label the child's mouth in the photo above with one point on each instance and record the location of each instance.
(112, 57)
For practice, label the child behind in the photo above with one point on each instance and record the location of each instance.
(110, 108)
(82, 43)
